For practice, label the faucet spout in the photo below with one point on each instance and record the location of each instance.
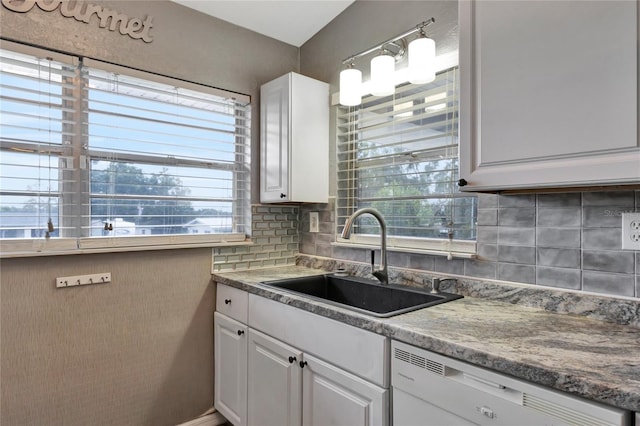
(381, 274)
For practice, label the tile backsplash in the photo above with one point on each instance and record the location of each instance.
(564, 240)
(274, 233)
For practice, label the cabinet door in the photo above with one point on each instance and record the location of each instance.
(274, 140)
(549, 93)
(230, 368)
(275, 382)
(333, 397)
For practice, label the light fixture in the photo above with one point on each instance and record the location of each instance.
(383, 76)
(422, 56)
(350, 86)
(383, 67)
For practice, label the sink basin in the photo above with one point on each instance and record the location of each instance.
(362, 295)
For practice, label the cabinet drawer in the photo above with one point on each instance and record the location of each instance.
(232, 302)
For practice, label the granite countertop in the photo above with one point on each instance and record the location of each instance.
(582, 356)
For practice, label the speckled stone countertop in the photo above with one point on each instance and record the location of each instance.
(579, 355)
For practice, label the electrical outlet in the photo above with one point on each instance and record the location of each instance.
(314, 226)
(630, 231)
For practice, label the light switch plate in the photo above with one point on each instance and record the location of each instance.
(630, 231)
(314, 220)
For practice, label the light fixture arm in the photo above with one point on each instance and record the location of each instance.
(418, 28)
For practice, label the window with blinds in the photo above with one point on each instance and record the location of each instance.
(399, 154)
(93, 150)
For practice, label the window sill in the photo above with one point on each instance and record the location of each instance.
(62, 247)
(427, 251)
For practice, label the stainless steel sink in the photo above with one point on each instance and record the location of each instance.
(362, 295)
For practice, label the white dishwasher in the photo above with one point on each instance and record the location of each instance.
(430, 389)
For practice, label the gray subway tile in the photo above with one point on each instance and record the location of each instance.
(486, 201)
(453, 266)
(526, 200)
(517, 254)
(516, 236)
(559, 216)
(601, 217)
(521, 217)
(558, 237)
(609, 198)
(558, 277)
(487, 217)
(517, 273)
(573, 199)
(398, 259)
(487, 234)
(558, 257)
(602, 238)
(479, 268)
(326, 227)
(487, 251)
(609, 261)
(608, 283)
(422, 262)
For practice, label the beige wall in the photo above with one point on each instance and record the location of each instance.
(137, 351)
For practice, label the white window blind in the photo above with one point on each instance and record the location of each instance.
(399, 154)
(106, 151)
(35, 105)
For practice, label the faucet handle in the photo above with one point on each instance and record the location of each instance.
(435, 284)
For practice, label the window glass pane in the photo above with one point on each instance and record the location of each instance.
(153, 199)
(165, 160)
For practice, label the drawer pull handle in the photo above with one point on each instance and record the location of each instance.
(292, 359)
(240, 332)
(227, 301)
(303, 363)
(283, 195)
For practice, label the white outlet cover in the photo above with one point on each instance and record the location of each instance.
(630, 231)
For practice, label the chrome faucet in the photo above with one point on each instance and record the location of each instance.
(381, 274)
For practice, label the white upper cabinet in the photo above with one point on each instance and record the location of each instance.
(294, 140)
(549, 94)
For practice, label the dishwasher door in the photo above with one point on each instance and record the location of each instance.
(429, 389)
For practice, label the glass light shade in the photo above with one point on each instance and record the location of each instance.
(422, 56)
(350, 87)
(383, 68)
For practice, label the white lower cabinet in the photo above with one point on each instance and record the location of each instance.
(275, 382)
(324, 373)
(230, 366)
(332, 397)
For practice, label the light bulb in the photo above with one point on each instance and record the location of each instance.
(383, 68)
(422, 55)
(350, 87)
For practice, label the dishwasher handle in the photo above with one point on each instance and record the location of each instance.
(485, 382)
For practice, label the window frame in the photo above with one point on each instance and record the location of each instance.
(80, 154)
